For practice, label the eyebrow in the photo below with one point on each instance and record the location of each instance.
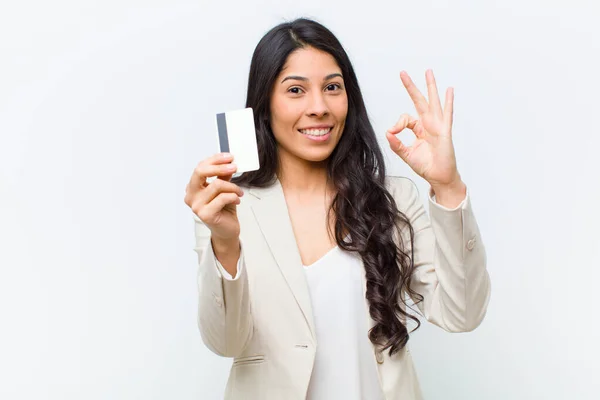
(302, 78)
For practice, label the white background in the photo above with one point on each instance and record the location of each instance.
(106, 107)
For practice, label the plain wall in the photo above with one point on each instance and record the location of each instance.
(106, 108)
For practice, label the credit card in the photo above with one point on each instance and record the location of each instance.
(237, 135)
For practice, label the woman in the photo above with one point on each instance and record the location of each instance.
(307, 265)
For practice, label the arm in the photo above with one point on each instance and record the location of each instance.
(450, 262)
(224, 316)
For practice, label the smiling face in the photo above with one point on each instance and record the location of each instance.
(308, 105)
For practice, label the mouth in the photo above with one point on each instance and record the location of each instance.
(316, 134)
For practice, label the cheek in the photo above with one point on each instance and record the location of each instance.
(341, 109)
(284, 115)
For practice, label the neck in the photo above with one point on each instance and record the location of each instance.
(302, 177)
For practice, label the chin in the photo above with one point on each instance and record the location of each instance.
(317, 156)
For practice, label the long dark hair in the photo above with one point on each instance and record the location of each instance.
(362, 205)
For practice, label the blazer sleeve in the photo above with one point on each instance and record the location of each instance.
(224, 316)
(449, 259)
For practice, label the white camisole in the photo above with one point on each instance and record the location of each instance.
(345, 366)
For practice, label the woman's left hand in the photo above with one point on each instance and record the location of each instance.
(431, 156)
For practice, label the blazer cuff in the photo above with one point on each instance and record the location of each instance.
(226, 275)
(434, 203)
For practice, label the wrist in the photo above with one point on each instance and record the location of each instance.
(450, 195)
(228, 252)
(453, 187)
(224, 243)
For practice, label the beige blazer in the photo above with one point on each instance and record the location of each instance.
(263, 318)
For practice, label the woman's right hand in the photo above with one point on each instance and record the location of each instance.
(215, 203)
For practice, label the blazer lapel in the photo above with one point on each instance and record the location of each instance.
(272, 215)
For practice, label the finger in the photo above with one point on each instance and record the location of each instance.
(432, 93)
(215, 188)
(208, 168)
(405, 121)
(397, 146)
(449, 108)
(186, 197)
(418, 99)
(217, 204)
(218, 159)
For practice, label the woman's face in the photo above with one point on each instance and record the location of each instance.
(308, 105)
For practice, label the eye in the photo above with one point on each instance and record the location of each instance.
(333, 86)
(295, 90)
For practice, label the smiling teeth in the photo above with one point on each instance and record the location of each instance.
(315, 132)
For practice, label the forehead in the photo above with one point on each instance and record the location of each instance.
(311, 63)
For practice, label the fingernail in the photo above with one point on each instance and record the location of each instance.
(231, 167)
(226, 155)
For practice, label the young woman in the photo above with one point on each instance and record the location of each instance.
(307, 265)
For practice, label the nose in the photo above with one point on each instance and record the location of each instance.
(317, 106)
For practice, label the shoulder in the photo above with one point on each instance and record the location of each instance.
(401, 188)
(406, 195)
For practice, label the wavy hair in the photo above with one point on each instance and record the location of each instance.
(363, 206)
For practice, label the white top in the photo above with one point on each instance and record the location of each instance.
(345, 366)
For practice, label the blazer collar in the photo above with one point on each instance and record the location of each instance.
(272, 215)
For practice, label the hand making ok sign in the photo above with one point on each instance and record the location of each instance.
(431, 156)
